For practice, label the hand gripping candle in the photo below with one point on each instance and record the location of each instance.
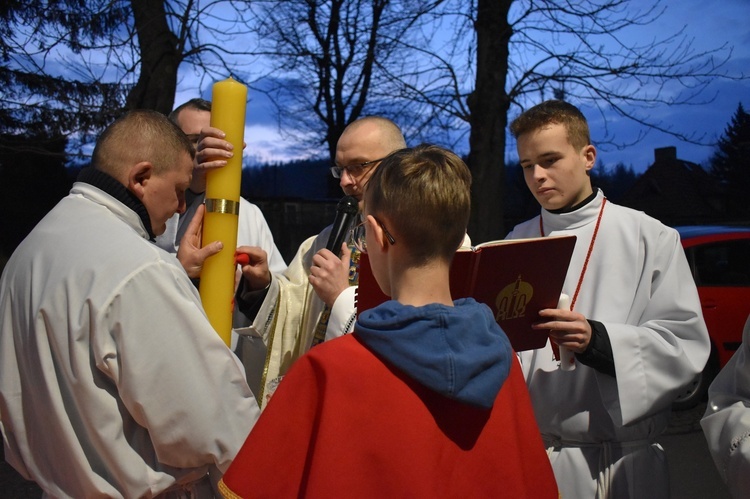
(229, 101)
(567, 357)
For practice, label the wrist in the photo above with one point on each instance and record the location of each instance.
(263, 284)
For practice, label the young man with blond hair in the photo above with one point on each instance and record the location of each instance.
(634, 329)
(426, 397)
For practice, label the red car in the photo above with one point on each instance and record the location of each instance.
(719, 258)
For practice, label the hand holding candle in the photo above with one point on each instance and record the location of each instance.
(222, 207)
(566, 357)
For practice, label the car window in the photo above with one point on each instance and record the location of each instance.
(724, 263)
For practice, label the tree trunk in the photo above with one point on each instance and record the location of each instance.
(488, 105)
(157, 82)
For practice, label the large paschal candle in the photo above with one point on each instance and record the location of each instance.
(229, 101)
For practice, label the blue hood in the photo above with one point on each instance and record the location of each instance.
(459, 352)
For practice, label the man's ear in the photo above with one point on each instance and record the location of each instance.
(589, 152)
(378, 234)
(138, 176)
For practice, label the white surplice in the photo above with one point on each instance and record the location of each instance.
(252, 230)
(601, 430)
(285, 325)
(726, 423)
(112, 381)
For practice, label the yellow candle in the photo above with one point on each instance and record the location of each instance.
(229, 101)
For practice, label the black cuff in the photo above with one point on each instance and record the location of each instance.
(598, 354)
(249, 302)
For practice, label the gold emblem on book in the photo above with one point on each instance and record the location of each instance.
(512, 300)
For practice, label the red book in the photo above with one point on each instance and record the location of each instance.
(515, 277)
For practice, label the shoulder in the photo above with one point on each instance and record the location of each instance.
(248, 209)
(648, 226)
(525, 229)
(341, 364)
(338, 351)
(342, 354)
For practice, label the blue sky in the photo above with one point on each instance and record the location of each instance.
(710, 24)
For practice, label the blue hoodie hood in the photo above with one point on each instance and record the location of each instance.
(459, 352)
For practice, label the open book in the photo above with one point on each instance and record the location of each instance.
(516, 278)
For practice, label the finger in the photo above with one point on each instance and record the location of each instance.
(346, 254)
(215, 146)
(242, 259)
(553, 313)
(213, 153)
(196, 224)
(317, 260)
(211, 131)
(566, 338)
(311, 279)
(211, 165)
(209, 250)
(256, 255)
(546, 325)
(213, 149)
(325, 258)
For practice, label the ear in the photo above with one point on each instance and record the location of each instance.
(138, 176)
(589, 153)
(378, 234)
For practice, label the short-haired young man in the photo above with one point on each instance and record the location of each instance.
(636, 327)
(426, 397)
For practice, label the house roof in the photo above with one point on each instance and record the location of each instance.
(675, 191)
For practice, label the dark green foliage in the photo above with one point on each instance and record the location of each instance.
(308, 178)
(37, 100)
(614, 182)
(60, 105)
(730, 165)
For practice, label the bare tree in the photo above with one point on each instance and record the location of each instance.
(524, 51)
(160, 58)
(448, 66)
(70, 67)
(331, 61)
(488, 117)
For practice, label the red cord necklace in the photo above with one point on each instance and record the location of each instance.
(588, 255)
(555, 348)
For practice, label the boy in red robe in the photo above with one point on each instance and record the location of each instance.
(426, 397)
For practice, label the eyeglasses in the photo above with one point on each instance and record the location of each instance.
(357, 235)
(354, 171)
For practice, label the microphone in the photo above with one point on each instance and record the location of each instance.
(346, 211)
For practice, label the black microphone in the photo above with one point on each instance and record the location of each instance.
(346, 212)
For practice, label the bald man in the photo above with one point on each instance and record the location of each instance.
(112, 381)
(315, 292)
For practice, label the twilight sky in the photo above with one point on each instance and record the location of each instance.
(709, 23)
